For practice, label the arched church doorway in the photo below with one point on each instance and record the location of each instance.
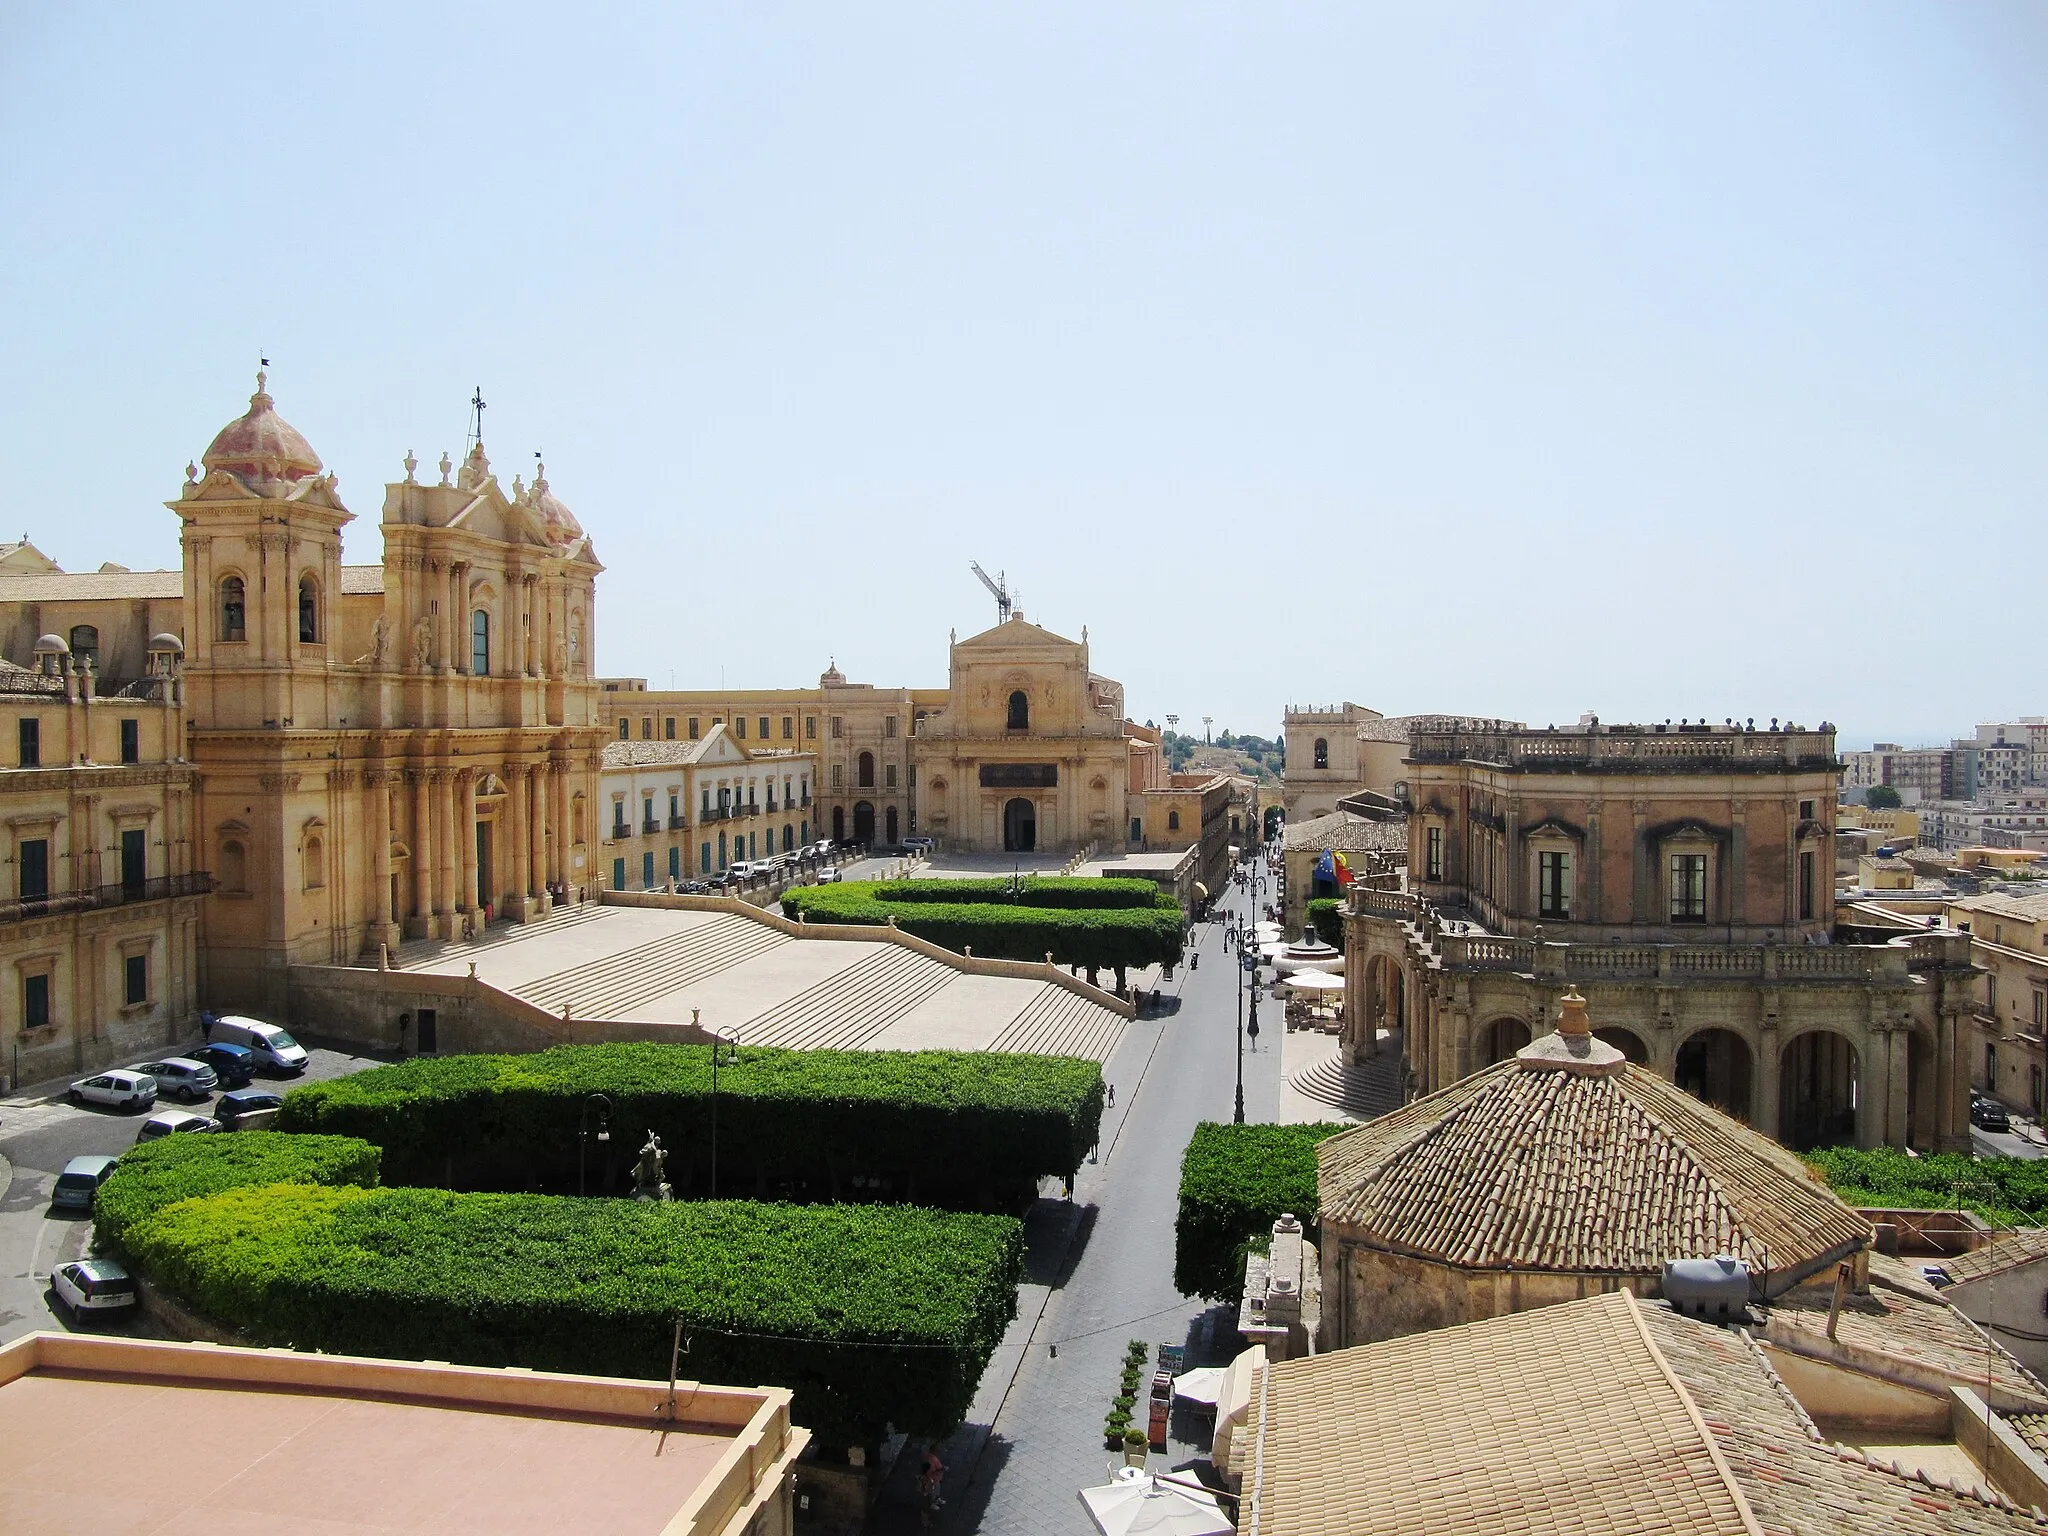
(838, 823)
(1817, 1091)
(1626, 1041)
(1503, 1038)
(1020, 826)
(864, 823)
(1713, 1066)
(889, 822)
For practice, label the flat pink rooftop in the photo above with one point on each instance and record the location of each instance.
(105, 1435)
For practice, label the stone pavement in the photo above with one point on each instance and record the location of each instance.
(1102, 1273)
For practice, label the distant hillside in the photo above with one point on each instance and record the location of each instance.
(1252, 756)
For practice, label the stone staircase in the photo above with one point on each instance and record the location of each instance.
(849, 1008)
(1058, 1023)
(414, 953)
(614, 985)
(1364, 1092)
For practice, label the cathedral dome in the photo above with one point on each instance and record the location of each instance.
(563, 531)
(262, 444)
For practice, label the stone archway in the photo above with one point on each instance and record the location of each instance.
(1020, 826)
(1714, 1066)
(1626, 1041)
(1503, 1037)
(1818, 1091)
(838, 823)
(863, 823)
(889, 825)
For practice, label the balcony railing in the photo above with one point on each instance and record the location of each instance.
(677, 823)
(620, 831)
(121, 894)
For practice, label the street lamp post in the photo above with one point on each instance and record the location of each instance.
(718, 1040)
(604, 1130)
(1239, 1117)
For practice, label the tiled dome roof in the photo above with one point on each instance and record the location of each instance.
(262, 443)
(1577, 1161)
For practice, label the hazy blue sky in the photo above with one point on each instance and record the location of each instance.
(1658, 360)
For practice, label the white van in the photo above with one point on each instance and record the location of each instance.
(271, 1046)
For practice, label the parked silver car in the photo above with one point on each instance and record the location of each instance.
(79, 1184)
(170, 1122)
(131, 1091)
(180, 1077)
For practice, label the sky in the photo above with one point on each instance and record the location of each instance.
(1523, 359)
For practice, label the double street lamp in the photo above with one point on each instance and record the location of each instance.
(720, 1041)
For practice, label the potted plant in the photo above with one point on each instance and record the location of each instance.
(1136, 1448)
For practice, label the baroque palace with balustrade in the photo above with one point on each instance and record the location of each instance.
(354, 753)
(1682, 879)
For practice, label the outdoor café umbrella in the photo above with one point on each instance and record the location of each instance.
(1313, 981)
(1138, 1504)
(1265, 932)
(1203, 1385)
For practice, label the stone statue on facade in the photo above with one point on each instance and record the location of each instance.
(422, 643)
(650, 1180)
(380, 642)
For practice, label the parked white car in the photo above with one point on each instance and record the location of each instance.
(132, 1091)
(93, 1285)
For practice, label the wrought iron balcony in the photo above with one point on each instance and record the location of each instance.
(120, 894)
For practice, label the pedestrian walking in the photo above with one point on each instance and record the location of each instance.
(930, 1481)
(1112, 1086)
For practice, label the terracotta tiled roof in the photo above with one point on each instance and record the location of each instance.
(1904, 1317)
(18, 680)
(1601, 1415)
(1544, 1170)
(1342, 832)
(362, 580)
(1790, 1477)
(652, 754)
(1558, 1419)
(85, 586)
(2005, 1251)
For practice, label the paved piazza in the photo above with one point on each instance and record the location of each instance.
(658, 966)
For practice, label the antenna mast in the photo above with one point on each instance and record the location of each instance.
(998, 589)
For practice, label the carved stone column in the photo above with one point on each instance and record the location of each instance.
(518, 835)
(458, 617)
(421, 924)
(445, 867)
(536, 834)
(377, 828)
(465, 833)
(558, 816)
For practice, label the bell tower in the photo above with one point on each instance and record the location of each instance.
(262, 563)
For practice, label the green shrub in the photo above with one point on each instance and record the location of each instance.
(1132, 923)
(1326, 914)
(1235, 1182)
(870, 1314)
(163, 1172)
(2001, 1189)
(941, 1127)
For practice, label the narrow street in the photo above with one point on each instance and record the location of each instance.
(1038, 1439)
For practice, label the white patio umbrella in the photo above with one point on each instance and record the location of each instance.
(1312, 982)
(1138, 1504)
(1202, 1385)
(1265, 931)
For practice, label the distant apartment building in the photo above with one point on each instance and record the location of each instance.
(2009, 940)
(2001, 819)
(684, 810)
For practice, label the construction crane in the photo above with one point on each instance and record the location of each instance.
(999, 588)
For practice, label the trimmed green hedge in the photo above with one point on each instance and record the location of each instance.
(1235, 1182)
(1327, 914)
(948, 1127)
(1093, 923)
(173, 1168)
(872, 1315)
(2001, 1189)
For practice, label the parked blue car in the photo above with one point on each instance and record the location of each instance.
(234, 1065)
(244, 1101)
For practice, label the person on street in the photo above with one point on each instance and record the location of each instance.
(929, 1483)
